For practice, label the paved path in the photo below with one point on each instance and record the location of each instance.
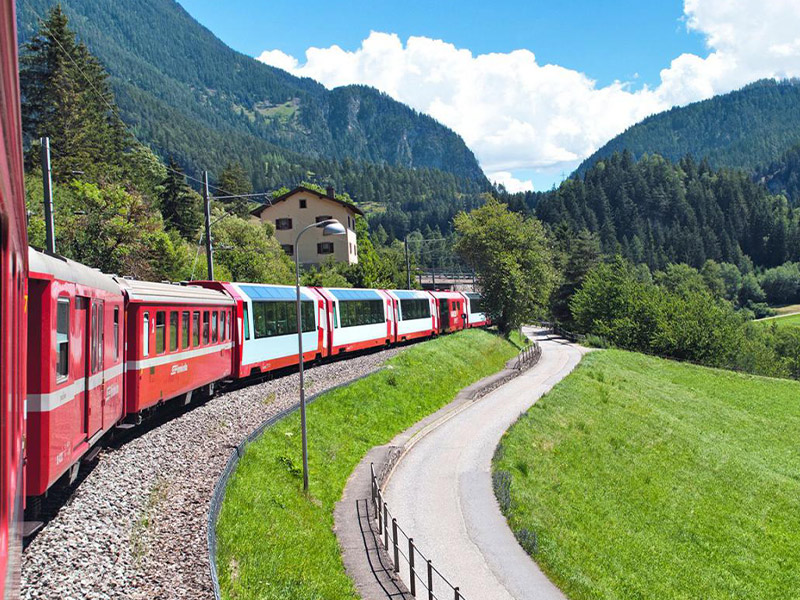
(441, 490)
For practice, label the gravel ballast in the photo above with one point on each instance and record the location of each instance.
(136, 527)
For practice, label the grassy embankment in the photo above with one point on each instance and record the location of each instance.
(646, 478)
(790, 320)
(276, 543)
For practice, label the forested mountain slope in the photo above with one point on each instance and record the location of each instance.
(748, 128)
(188, 95)
(659, 212)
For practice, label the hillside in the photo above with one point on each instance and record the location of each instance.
(657, 212)
(638, 477)
(748, 128)
(188, 95)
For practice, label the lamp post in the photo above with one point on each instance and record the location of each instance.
(329, 227)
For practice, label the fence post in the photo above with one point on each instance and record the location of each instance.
(411, 567)
(380, 520)
(430, 580)
(458, 595)
(385, 527)
(396, 549)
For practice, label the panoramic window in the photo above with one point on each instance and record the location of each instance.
(280, 318)
(417, 308)
(361, 312)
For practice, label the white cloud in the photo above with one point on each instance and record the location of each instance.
(515, 113)
(511, 183)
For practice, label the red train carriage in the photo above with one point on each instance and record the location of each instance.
(13, 278)
(474, 310)
(451, 312)
(267, 332)
(358, 319)
(75, 369)
(179, 340)
(415, 314)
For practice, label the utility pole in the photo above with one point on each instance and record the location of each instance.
(47, 186)
(207, 208)
(408, 264)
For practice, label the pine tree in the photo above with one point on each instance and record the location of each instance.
(67, 97)
(234, 180)
(180, 205)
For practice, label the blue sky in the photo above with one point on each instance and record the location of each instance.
(608, 40)
(532, 87)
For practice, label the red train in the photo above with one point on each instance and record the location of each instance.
(13, 306)
(103, 351)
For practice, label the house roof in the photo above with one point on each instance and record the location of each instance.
(302, 189)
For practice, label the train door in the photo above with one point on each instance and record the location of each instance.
(444, 315)
(95, 378)
(79, 328)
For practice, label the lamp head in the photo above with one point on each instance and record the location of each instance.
(332, 227)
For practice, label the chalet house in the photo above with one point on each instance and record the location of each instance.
(301, 207)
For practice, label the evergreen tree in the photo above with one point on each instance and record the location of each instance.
(181, 206)
(233, 181)
(67, 97)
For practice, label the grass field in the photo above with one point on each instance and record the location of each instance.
(649, 479)
(791, 320)
(277, 543)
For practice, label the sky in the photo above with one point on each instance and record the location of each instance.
(533, 87)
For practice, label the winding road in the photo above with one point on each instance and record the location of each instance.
(441, 490)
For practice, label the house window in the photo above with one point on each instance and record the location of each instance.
(283, 224)
(288, 248)
(325, 248)
(302, 202)
(322, 218)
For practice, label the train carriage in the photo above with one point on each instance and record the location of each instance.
(179, 341)
(451, 311)
(267, 332)
(358, 319)
(75, 369)
(415, 314)
(13, 307)
(474, 310)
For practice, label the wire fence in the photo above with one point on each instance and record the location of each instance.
(423, 579)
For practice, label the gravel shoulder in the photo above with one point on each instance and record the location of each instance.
(136, 527)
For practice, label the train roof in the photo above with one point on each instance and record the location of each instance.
(408, 294)
(65, 269)
(171, 293)
(272, 292)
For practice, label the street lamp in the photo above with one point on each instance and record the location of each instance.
(329, 227)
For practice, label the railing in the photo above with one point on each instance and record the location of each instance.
(560, 331)
(422, 575)
(531, 352)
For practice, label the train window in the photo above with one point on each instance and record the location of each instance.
(185, 329)
(418, 308)
(196, 328)
(215, 327)
(206, 326)
(93, 334)
(361, 312)
(62, 339)
(223, 325)
(335, 315)
(116, 333)
(280, 318)
(173, 331)
(246, 317)
(146, 334)
(161, 325)
(101, 335)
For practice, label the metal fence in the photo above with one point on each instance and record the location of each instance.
(424, 580)
(531, 352)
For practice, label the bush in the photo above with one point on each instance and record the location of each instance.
(781, 285)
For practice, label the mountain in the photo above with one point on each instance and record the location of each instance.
(659, 212)
(188, 95)
(783, 175)
(748, 128)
